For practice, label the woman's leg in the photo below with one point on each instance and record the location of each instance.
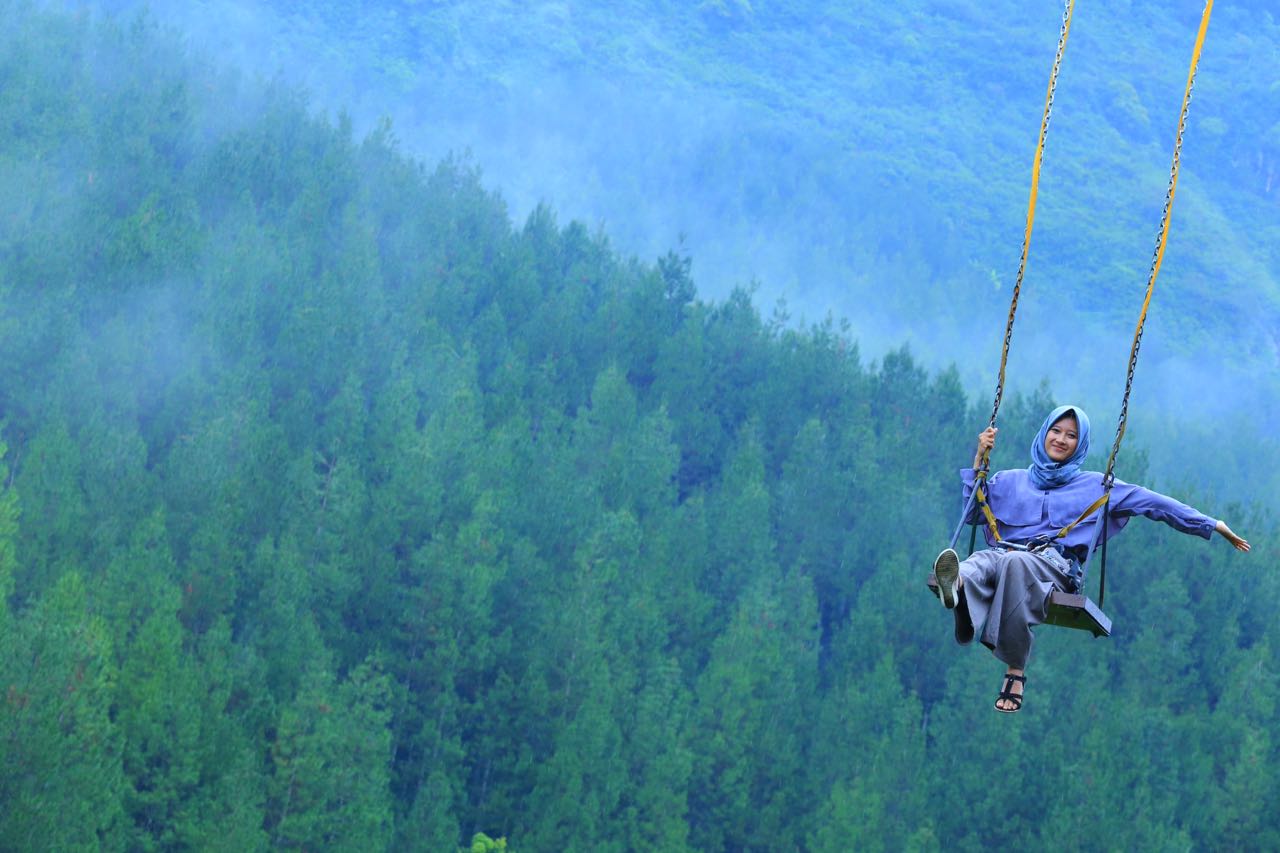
(1020, 602)
(1019, 584)
(1005, 594)
(964, 621)
(973, 592)
(1014, 681)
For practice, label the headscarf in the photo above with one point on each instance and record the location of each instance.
(1046, 473)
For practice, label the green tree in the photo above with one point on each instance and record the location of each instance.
(55, 530)
(750, 780)
(446, 650)
(9, 514)
(874, 763)
(62, 780)
(740, 525)
(330, 764)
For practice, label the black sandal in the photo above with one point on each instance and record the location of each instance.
(1007, 694)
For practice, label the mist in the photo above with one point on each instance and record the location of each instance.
(685, 136)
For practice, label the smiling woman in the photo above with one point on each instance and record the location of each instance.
(1063, 438)
(1005, 590)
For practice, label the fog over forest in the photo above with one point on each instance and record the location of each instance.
(869, 166)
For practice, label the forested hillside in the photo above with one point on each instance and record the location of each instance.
(870, 160)
(342, 512)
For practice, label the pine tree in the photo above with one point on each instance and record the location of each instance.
(750, 783)
(61, 777)
(330, 783)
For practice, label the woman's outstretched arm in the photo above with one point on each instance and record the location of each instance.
(1237, 542)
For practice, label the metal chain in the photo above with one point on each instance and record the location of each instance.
(1161, 242)
(1031, 208)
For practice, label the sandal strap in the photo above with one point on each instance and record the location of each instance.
(1007, 694)
(1015, 698)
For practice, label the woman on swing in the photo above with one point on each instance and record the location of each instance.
(1006, 591)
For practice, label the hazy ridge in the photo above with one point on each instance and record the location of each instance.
(872, 165)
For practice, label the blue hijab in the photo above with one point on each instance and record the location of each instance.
(1046, 473)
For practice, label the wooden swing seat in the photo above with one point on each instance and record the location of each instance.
(1066, 610)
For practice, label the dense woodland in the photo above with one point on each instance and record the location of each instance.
(819, 149)
(341, 512)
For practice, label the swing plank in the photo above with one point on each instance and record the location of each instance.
(1066, 610)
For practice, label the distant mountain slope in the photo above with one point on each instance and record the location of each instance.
(870, 163)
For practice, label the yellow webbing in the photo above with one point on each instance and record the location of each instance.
(994, 523)
(981, 472)
(1031, 209)
(986, 510)
(1093, 507)
(1156, 263)
(1163, 239)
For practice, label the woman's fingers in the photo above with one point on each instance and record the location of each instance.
(1238, 542)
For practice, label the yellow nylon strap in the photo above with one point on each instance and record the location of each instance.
(986, 510)
(1031, 208)
(1093, 507)
(994, 524)
(1035, 166)
(1177, 161)
(1163, 240)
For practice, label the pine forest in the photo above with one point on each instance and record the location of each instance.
(343, 510)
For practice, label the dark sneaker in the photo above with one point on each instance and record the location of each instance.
(947, 571)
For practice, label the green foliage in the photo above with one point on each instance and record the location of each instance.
(481, 843)
(62, 783)
(342, 513)
(330, 765)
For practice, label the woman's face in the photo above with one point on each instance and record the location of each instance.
(1063, 438)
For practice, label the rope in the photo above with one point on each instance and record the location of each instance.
(1031, 208)
(984, 461)
(1163, 239)
(1161, 242)
(980, 470)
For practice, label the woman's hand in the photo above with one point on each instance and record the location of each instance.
(1236, 542)
(986, 442)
